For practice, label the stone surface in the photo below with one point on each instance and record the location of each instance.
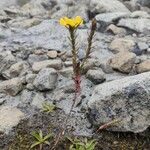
(37, 66)
(6, 60)
(46, 79)
(52, 54)
(123, 61)
(144, 66)
(116, 30)
(9, 118)
(12, 86)
(140, 25)
(101, 6)
(125, 99)
(122, 45)
(67, 72)
(96, 76)
(106, 19)
(38, 100)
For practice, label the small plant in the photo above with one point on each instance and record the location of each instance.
(48, 108)
(72, 25)
(40, 139)
(82, 145)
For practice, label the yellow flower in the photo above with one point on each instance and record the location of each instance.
(74, 22)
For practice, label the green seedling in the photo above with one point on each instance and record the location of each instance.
(48, 108)
(40, 139)
(82, 144)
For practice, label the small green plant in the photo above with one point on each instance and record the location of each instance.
(48, 108)
(40, 139)
(82, 145)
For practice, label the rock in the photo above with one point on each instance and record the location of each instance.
(46, 79)
(12, 86)
(25, 23)
(17, 69)
(125, 99)
(30, 78)
(39, 52)
(6, 60)
(141, 25)
(37, 66)
(144, 3)
(30, 86)
(34, 8)
(68, 63)
(72, 11)
(144, 66)
(9, 118)
(102, 6)
(52, 54)
(142, 46)
(96, 76)
(67, 72)
(46, 35)
(122, 45)
(36, 58)
(123, 61)
(26, 97)
(38, 100)
(106, 19)
(140, 14)
(116, 30)
(90, 64)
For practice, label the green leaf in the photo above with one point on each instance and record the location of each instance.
(48, 136)
(35, 144)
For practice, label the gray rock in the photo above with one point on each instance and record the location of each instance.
(45, 35)
(122, 45)
(125, 99)
(96, 76)
(144, 3)
(46, 79)
(36, 58)
(6, 60)
(67, 72)
(140, 14)
(141, 25)
(144, 66)
(9, 118)
(142, 45)
(123, 61)
(26, 97)
(101, 6)
(37, 66)
(17, 69)
(30, 78)
(38, 100)
(12, 86)
(106, 19)
(116, 30)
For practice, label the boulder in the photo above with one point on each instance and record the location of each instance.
(141, 25)
(144, 66)
(96, 76)
(123, 62)
(126, 100)
(122, 45)
(37, 66)
(9, 118)
(101, 6)
(116, 30)
(106, 19)
(46, 79)
(12, 86)
(6, 60)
